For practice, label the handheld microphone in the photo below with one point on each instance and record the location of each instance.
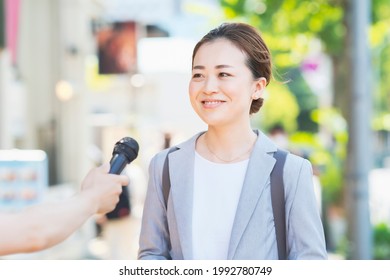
(125, 151)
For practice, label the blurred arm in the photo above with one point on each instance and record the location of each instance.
(41, 226)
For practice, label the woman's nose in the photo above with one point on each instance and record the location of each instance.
(210, 85)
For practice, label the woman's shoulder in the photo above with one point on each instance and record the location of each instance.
(185, 146)
(296, 162)
(297, 172)
(158, 159)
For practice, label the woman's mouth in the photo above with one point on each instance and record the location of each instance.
(209, 104)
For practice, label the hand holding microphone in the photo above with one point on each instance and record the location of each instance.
(108, 190)
(125, 151)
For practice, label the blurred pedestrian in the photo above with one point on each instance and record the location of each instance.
(219, 205)
(41, 226)
(279, 136)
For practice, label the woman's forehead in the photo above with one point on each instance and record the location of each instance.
(219, 50)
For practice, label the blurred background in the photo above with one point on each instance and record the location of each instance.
(78, 75)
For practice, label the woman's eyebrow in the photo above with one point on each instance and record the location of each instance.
(200, 67)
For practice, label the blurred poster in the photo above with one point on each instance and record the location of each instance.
(2, 25)
(12, 11)
(117, 52)
(23, 178)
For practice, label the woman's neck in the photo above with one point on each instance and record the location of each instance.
(226, 145)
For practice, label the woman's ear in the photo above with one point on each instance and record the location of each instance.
(260, 85)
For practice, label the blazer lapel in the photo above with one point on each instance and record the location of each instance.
(259, 169)
(181, 169)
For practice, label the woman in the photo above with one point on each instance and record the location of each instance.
(219, 206)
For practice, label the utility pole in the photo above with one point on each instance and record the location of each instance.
(360, 144)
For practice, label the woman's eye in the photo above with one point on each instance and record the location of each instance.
(223, 74)
(197, 76)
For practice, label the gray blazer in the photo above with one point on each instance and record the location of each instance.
(166, 234)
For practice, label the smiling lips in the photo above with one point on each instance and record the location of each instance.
(210, 104)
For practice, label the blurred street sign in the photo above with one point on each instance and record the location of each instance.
(23, 178)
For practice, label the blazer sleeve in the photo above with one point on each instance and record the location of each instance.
(305, 231)
(154, 236)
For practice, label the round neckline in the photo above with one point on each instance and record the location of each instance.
(244, 161)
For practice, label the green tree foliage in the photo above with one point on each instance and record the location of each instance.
(382, 242)
(278, 96)
(380, 42)
(292, 22)
(326, 150)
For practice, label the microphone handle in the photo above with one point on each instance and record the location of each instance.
(118, 163)
(123, 207)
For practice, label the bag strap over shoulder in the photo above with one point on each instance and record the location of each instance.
(277, 197)
(166, 181)
(278, 203)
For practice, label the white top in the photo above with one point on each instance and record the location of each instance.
(217, 189)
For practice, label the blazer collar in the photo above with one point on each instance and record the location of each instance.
(258, 172)
(181, 161)
(181, 173)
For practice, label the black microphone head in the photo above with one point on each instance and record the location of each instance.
(128, 147)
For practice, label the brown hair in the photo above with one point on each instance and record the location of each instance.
(248, 40)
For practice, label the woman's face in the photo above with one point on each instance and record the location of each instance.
(222, 86)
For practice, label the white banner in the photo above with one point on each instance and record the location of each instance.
(121, 270)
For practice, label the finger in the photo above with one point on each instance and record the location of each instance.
(105, 167)
(124, 180)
